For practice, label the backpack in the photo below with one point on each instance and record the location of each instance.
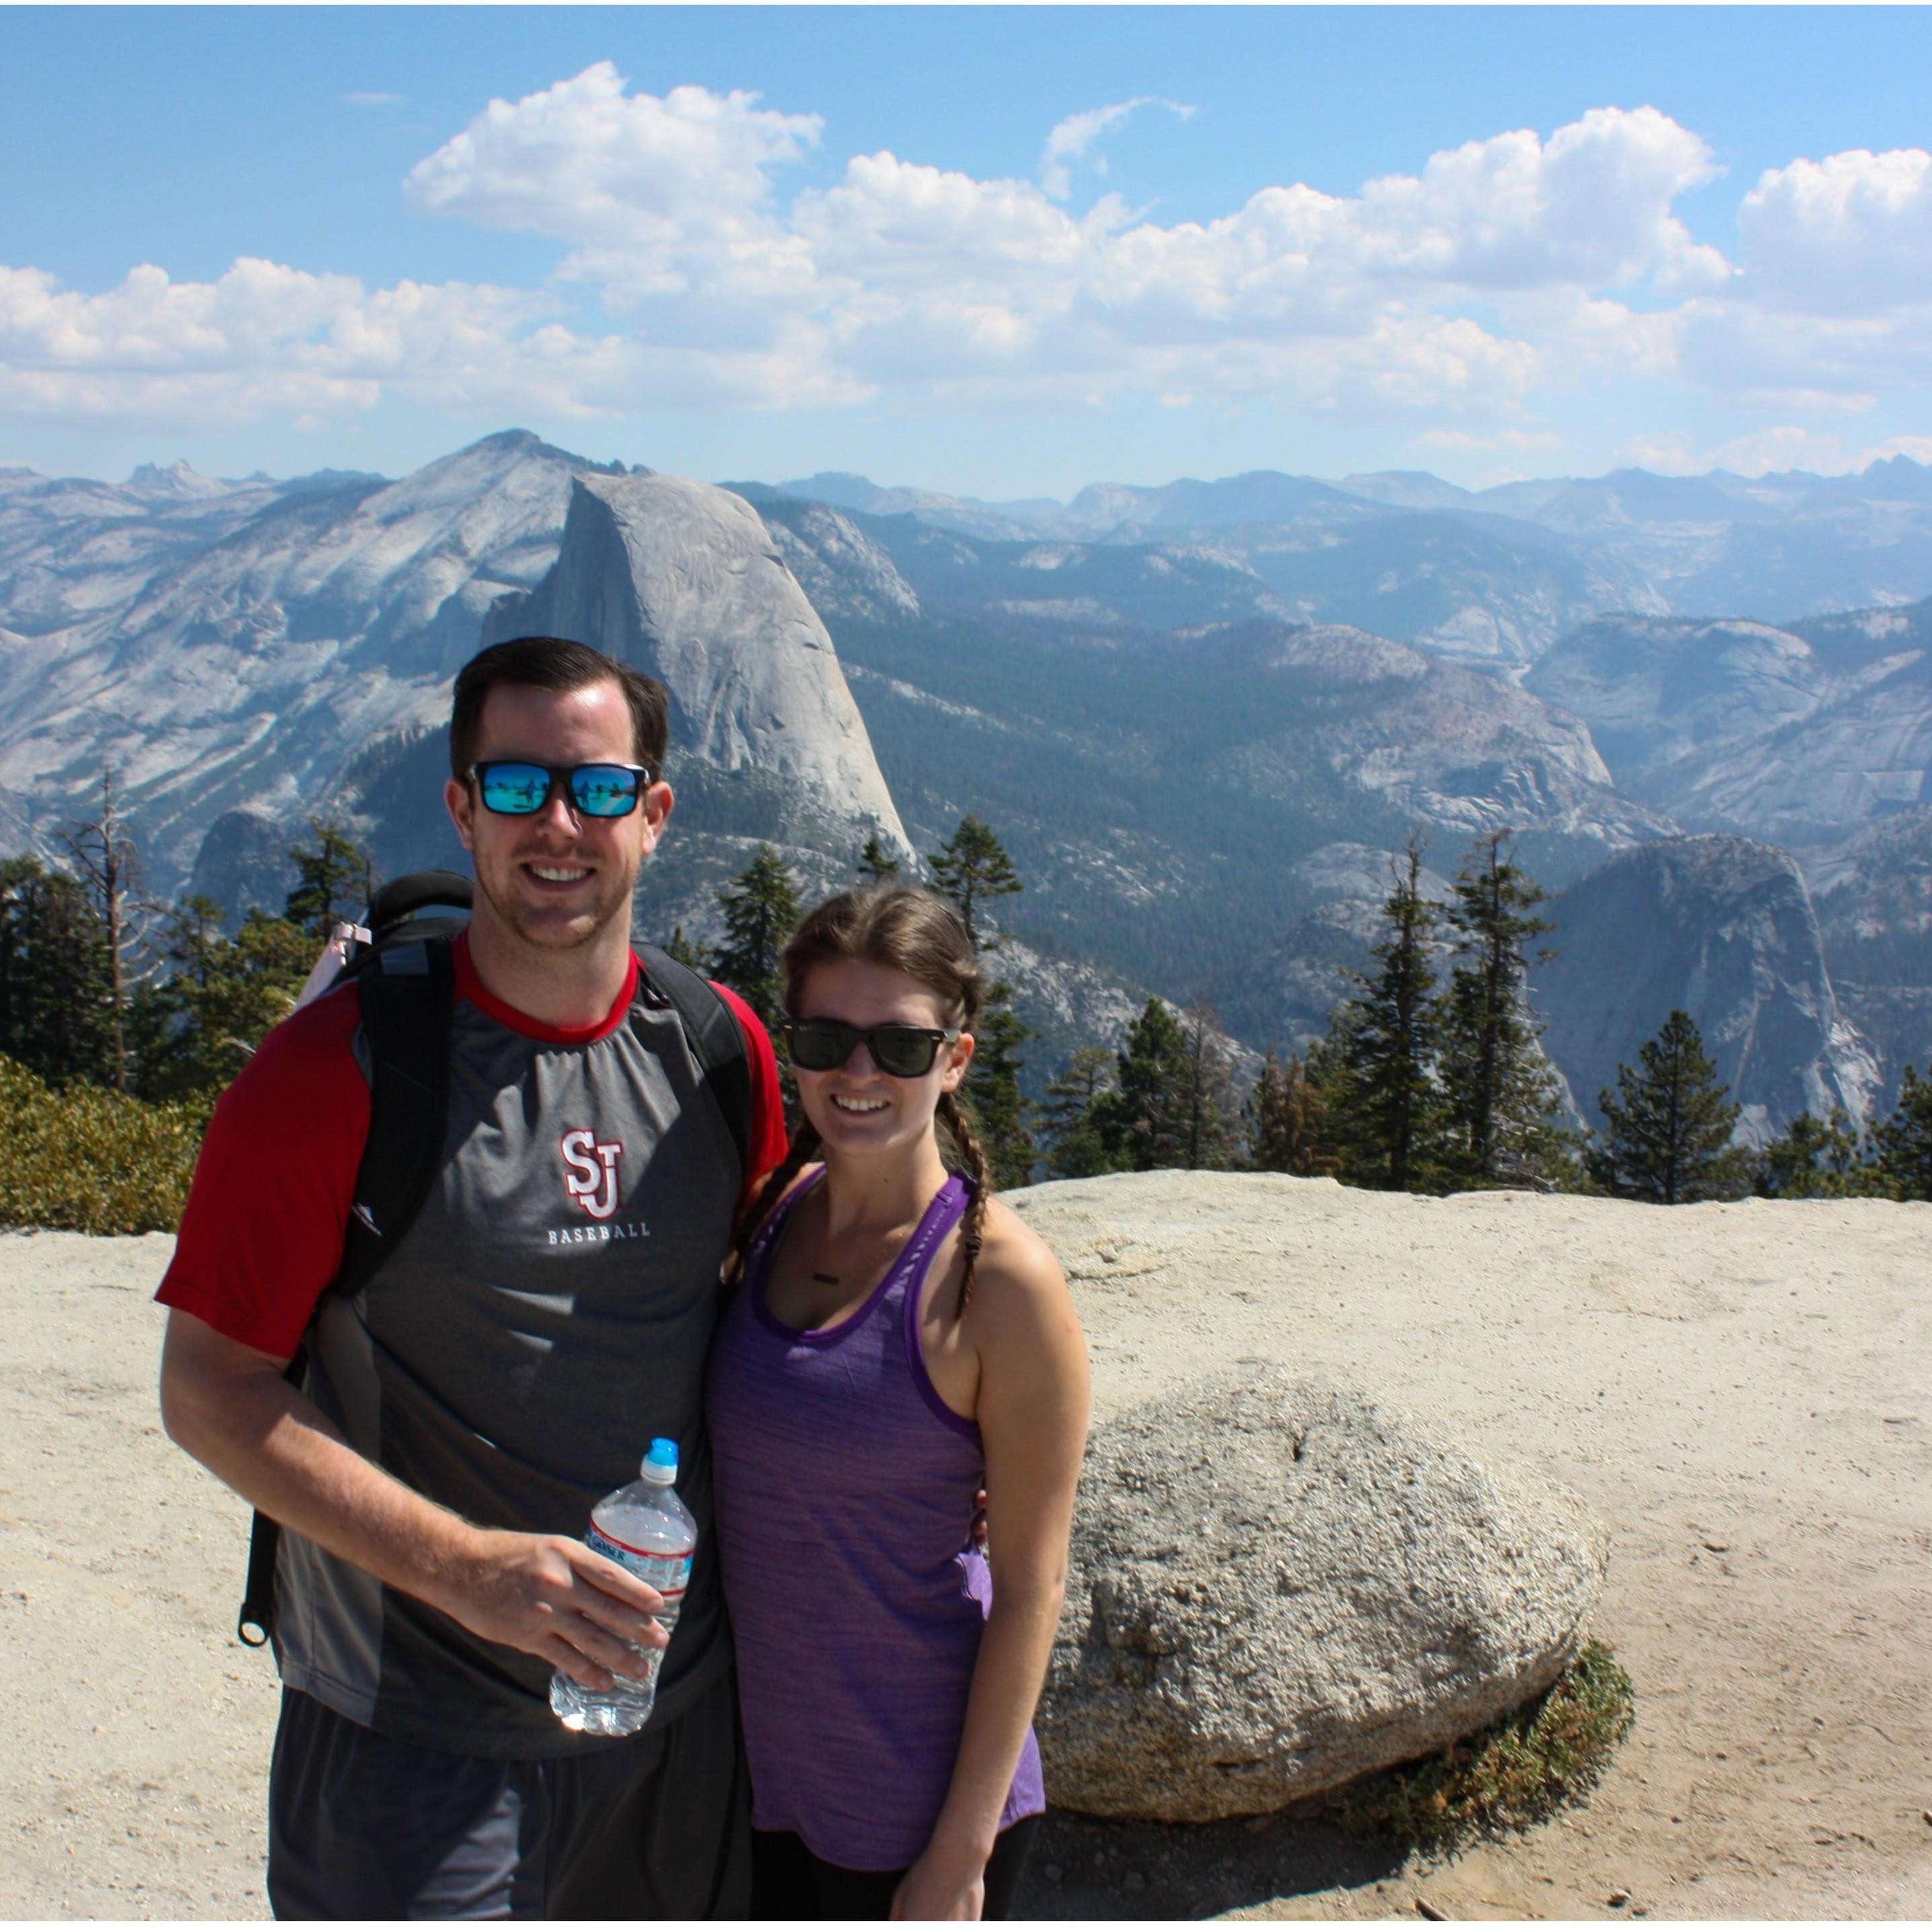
(401, 960)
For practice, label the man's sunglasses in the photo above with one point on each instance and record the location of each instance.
(518, 790)
(904, 1052)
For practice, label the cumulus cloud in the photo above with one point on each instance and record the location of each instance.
(693, 269)
(266, 339)
(1832, 305)
(905, 275)
(1848, 236)
(1074, 140)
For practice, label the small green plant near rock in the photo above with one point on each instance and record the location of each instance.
(92, 1160)
(1513, 1773)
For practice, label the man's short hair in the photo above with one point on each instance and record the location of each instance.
(555, 664)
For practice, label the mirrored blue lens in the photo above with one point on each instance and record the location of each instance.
(603, 791)
(519, 790)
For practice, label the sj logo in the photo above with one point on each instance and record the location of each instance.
(590, 1172)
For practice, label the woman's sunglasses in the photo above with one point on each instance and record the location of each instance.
(904, 1052)
(518, 790)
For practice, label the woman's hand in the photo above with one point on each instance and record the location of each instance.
(944, 1884)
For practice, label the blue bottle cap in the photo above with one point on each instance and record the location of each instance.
(663, 1453)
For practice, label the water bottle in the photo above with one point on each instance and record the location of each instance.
(646, 1527)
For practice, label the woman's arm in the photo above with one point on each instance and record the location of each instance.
(1033, 1407)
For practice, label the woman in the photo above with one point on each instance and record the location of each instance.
(899, 1336)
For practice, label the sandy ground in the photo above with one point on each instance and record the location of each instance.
(1744, 1392)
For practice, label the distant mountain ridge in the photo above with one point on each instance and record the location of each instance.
(1198, 731)
(1773, 548)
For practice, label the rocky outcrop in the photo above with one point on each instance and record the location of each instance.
(843, 571)
(1796, 735)
(251, 667)
(1873, 896)
(246, 656)
(1658, 692)
(682, 580)
(1278, 1586)
(1723, 927)
(1432, 740)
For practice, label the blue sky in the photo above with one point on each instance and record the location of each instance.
(293, 237)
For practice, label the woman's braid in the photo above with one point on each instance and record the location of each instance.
(972, 1226)
(744, 1230)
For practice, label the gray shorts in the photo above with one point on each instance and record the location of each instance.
(365, 1826)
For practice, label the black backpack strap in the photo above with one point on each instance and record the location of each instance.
(408, 990)
(257, 1616)
(717, 1039)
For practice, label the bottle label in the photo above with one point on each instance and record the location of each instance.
(668, 1572)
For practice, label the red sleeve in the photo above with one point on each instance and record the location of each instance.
(262, 1236)
(770, 1137)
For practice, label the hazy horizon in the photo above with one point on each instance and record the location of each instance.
(939, 486)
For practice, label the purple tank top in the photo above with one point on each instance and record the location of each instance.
(844, 1490)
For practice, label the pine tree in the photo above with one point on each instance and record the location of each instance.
(972, 869)
(1904, 1140)
(1669, 1126)
(992, 1095)
(1285, 1115)
(335, 881)
(1813, 1159)
(109, 868)
(876, 866)
(1144, 1121)
(1499, 1092)
(1386, 1110)
(1207, 1098)
(761, 908)
(680, 949)
(56, 1012)
(1075, 1145)
(196, 1028)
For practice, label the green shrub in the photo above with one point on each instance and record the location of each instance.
(1515, 1773)
(93, 1160)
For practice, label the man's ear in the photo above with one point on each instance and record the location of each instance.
(656, 805)
(458, 803)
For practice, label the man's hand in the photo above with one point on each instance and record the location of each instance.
(227, 1404)
(556, 1599)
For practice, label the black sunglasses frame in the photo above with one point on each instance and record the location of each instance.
(934, 1037)
(562, 777)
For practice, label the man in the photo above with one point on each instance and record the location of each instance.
(538, 1323)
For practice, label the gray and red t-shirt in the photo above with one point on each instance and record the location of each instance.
(547, 1313)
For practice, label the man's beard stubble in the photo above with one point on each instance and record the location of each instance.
(549, 936)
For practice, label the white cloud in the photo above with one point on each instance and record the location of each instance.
(1591, 207)
(266, 339)
(1506, 267)
(586, 159)
(914, 275)
(1846, 236)
(1073, 139)
(1832, 308)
